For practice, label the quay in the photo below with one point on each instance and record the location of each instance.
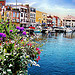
(60, 30)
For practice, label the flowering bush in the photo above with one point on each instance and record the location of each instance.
(17, 50)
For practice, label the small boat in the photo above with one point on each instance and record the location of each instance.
(68, 30)
(37, 31)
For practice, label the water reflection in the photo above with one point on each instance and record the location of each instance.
(69, 35)
(43, 36)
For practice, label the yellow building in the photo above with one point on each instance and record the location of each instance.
(41, 17)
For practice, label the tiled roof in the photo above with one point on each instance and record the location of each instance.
(70, 17)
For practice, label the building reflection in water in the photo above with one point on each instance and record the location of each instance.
(43, 37)
(69, 35)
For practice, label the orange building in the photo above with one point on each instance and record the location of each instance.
(41, 17)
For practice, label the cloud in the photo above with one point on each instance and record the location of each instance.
(60, 11)
(31, 4)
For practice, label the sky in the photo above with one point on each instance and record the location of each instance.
(59, 8)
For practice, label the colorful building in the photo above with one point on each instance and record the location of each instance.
(6, 13)
(49, 21)
(41, 17)
(56, 21)
(69, 21)
(2, 2)
(15, 16)
(32, 16)
(21, 15)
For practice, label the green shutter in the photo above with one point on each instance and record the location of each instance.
(1, 0)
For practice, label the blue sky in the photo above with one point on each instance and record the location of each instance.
(60, 8)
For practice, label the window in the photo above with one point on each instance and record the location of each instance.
(68, 20)
(0, 4)
(21, 20)
(17, 20)
(21, 14)
(73, 20)
(30, 14)
(72, 24)
(30, 20)
(43, 18)
(43, 14)
(13, 20)
(3, 14)
(7, 14)
(34, 21)
(13, 14)
(34, 10)
(30, 9)
(17, 14)
(21, 10)
(34, 15)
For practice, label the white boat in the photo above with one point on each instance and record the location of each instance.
(68, 30)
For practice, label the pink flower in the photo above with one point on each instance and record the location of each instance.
(39, 57)
(37, 49)
(39, 52)
(21, 40)
(30, 44)
(6, 42)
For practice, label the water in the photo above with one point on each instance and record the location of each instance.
(58, 57)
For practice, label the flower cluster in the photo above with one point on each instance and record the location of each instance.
(2, 35)
(20, 28)
(18, 52)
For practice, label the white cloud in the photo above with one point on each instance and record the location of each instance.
(60, 11)
(30, 3)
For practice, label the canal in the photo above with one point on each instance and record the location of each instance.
(58, 55)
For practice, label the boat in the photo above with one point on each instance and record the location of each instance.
(37, 31)
(68, 30)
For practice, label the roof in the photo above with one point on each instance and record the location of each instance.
(18, 7)
(69, 17)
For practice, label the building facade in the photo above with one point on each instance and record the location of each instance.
(57, 21)
(69, 21)
(41, 17)
(32, 16)
(2, 2)
(21, 15)
(49, 21)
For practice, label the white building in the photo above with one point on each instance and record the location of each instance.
(24, 15)
(69, 21)
(32, 16)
